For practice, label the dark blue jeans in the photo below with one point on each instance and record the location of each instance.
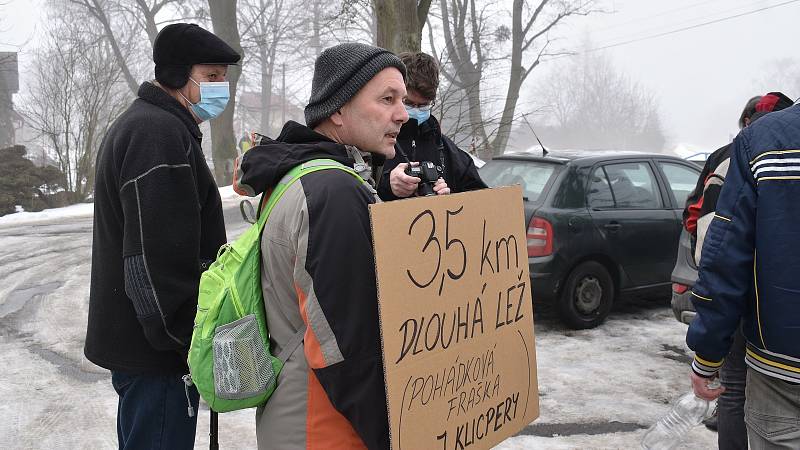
(152, 412)
(731, 430)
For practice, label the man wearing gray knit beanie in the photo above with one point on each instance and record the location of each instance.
(318, 270)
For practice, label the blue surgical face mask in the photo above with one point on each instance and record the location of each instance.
(214, 98)
(421, 114)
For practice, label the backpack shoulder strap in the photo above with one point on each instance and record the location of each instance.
(295, 174)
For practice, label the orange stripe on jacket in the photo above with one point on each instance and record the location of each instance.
(327, 428)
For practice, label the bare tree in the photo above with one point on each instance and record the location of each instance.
(223, 18)
(594, 106)
(281, 40)
(115, 17)
(341, 21)
(357, 20)
(469, 35)
(400, 23)
(270, 39)
(105, 12)
(782, 75)
(9, 85)
(77, 92)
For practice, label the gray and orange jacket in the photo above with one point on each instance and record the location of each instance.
(318, 274)
(751, 255)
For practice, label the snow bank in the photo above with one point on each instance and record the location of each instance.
(72, 211)
(227, 193)
(84, 210)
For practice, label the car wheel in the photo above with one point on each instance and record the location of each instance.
(587, 296)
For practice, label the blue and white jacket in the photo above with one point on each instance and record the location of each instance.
(750, 271)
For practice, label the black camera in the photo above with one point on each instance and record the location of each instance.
(428, 173)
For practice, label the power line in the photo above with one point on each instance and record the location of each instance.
(691, 27)
(666, 26)
(656, 15)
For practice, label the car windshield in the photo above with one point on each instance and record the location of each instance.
(533, 176)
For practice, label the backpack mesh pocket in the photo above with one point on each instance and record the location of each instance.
(242, 367)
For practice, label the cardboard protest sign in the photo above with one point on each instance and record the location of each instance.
(456, 319)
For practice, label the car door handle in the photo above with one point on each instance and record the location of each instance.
(612, 226)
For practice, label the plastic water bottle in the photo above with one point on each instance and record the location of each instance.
(688, 412)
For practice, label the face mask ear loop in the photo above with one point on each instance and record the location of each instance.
(191, 110)
(184, 97)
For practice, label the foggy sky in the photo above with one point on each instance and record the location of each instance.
(702, 77)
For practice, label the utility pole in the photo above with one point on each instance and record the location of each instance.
(9, 85)
(283, 93)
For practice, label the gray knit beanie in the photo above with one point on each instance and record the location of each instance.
(340, 72)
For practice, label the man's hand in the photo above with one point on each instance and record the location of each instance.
(403, 185)
(440, 188)
(701, 389)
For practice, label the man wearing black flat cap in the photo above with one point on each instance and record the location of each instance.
(157, 225)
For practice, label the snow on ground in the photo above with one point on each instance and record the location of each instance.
(628, 370)
(67, 212)
(599, 389)
(84, 210)
(227, 193)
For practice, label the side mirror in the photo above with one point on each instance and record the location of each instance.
(248, 212)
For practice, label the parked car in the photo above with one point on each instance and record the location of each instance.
(698, 158)
(599, 224)
(684, 276)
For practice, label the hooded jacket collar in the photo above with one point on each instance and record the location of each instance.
(263, 166)
(153, 94)
(295, 133)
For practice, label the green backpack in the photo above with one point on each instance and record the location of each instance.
(229, 356)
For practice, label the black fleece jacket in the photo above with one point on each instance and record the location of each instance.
(427, 143)
(157, 220)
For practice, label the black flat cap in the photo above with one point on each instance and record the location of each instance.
(179, 46)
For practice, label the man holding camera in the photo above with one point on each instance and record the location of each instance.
(426, 161)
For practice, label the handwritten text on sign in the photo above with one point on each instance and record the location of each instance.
(456, 319)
